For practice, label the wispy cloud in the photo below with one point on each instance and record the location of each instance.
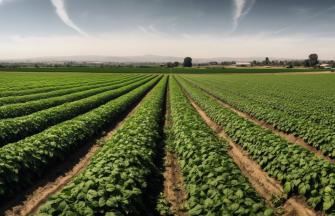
(5, 1)
(242, 8)
(307, 19)
(149, 30)
(63, 15)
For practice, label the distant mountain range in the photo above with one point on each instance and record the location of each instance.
(133, 59)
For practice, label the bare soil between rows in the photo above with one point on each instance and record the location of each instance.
(174, 190)
(265, 186)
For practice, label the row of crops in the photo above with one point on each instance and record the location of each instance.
(214, 183)
(286, 103)
(46, 119)
(300, 171)
(116, 180)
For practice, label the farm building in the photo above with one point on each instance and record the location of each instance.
(243, 64)
(325, 66)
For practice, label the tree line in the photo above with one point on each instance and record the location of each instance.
(311, 61)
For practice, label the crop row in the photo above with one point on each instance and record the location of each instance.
(24, 161)
(311, 91)
(18, 128)
(296, 110)
(291, 105)
(311, 101)
(68, 90)
(214, 183)
(21, 109)
(307, 104)
(42, 89)
(116, 180)
(316, 135)
(25, 84)
(300, 171)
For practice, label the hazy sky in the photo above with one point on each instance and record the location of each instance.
(200, 28)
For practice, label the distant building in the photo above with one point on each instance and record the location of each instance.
(243, 64)
(325, 66)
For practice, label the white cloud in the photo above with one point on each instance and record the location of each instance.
(242, 8)
(63, 15)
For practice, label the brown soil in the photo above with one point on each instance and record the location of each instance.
(295, 206)
(174, 188)
(60, 176)
(266, 186)
(289, 137)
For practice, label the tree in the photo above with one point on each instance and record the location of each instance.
(187, 62)
(267, 61)
(176, 64)
(332, 63)
(169, 65)
(313, 59)
(213, 63)
(307, 63)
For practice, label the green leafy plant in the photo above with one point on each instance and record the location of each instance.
(116, 179)
(18, 128)
(300, 171)
(215, 185)
(24, 161)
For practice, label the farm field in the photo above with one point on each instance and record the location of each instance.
(167, 144)
(165, 70)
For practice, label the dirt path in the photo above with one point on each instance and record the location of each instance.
(266, 186)
(174, 189)
(62, 175)
(289, 137)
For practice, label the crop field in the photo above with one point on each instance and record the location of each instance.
(165, 70)
(167, 144)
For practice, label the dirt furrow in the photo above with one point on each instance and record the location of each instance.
(265, 186)
(295, 207)
(174, 191)
(289, 137)
(61, 175)
(174, 188)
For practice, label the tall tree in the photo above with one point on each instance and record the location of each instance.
(313, 59)
(187, 62)
(267, 61)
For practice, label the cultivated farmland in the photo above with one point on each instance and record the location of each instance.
(155, 144)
